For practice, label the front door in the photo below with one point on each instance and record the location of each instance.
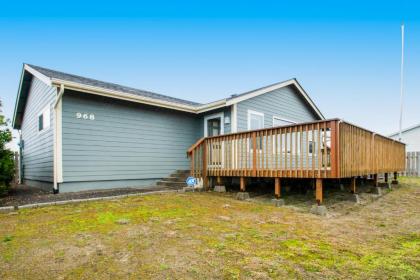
(213, 127)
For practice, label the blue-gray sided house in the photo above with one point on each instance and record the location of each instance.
(79, 133)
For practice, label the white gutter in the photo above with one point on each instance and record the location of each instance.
(139, 99)
(124, 96)
(59, 95)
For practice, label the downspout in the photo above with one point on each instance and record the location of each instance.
(57, 139)
(59, 96)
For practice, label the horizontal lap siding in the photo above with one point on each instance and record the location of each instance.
(37, 154)
(284, 102)
(125, 141)
(411, 138)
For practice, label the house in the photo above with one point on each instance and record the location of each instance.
(410, 136)
(79, 133)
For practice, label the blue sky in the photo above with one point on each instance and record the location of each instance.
(346, 56)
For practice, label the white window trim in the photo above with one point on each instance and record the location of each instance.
(282, 119)
(214, 116)
(251, 112)
(44, 126)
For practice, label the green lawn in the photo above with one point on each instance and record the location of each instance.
(212, 236)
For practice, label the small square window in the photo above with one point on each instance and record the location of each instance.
(44, 119)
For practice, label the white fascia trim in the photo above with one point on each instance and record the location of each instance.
(124, 96)
(309, 100)
(18, 96)
(211, 106)
(274, 87)
(251, 112)
(37, 74)
(140, 99)
(213, 116)
(259, 92)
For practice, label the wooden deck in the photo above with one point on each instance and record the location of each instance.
(329, 149)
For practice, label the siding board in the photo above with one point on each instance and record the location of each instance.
(125, 141)
(284, 102)
(37, 154)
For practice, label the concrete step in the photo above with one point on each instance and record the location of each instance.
(171, 184)
(181, 172)
(175, 178)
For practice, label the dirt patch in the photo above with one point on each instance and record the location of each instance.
(21, 194)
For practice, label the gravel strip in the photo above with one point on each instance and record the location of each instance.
(24, 195)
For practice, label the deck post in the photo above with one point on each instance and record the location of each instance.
(318, 193)
(204, 172)
(242, 183)
(375, 180)
(242, 195)
(386, 177)
(277, 190)
(353, 185)
(395, 181)
(254, 154)
(219, 180)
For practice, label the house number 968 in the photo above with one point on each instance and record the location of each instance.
(85, 116)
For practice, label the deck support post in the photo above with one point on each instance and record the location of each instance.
(395, 181)
(242, 195)
(318, 193)
(375, 180)
(277, 201)
(219, 180)
(277, 188)
(386, 177)
(353, 189)
(242, 183)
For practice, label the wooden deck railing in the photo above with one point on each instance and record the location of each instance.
(322, 149)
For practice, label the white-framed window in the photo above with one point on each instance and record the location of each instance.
(44, 119)
(214, 124)
(255, 120)
(279, 121)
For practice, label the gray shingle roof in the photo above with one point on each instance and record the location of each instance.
(251, 91)
(92, 82)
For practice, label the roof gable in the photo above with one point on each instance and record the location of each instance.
(88, 85)
(270, 88)
(417, 126)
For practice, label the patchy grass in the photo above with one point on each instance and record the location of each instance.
(212, 236)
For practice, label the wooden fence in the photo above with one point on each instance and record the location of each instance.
(412, 164)
(321, 149)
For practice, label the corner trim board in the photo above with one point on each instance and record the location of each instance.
(58, 145)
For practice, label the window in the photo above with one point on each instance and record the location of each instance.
(44, 119)
(311, 144)
(255, 120)
(213, 124)
(277, 121)
(311, 147)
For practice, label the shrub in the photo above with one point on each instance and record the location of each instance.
(7, 166)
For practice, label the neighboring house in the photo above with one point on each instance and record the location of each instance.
(78, 133)
(411, 137)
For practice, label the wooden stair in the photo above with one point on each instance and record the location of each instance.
(176, 180)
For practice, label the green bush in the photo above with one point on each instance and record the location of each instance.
(7, 166)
